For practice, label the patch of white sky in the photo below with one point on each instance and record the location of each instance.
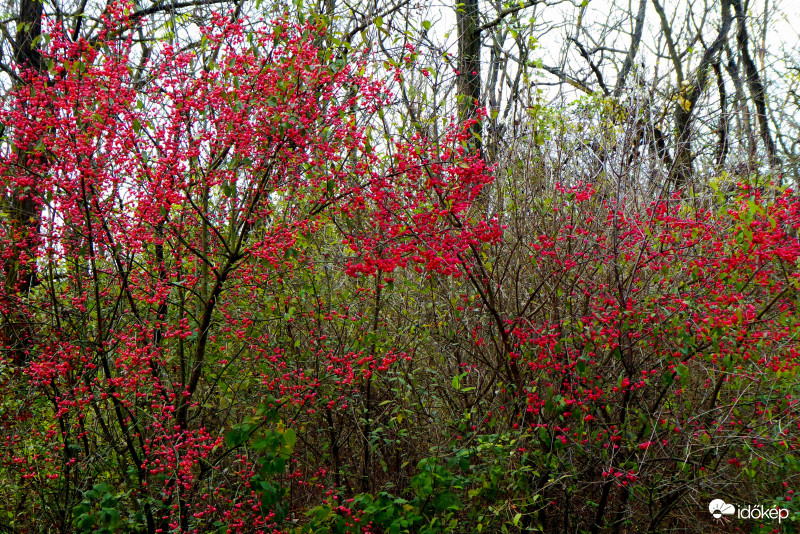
(559, 25)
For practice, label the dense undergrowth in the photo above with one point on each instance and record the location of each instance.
(249, 315)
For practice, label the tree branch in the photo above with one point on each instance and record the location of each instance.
(506, 12)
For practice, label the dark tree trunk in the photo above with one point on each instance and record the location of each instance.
(754, 83)
(682, 171)
(469, 64)
(23, 212)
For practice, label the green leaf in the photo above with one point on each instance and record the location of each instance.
(236, 437)
(683, 372)
(667, 379)
(81, 509)
(272, 466)
(110, 517)
(544, 436)
(86, 522)
(227, 189)
(290, 437)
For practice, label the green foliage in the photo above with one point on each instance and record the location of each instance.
(98, 512)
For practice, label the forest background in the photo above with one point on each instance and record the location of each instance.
(393, 267)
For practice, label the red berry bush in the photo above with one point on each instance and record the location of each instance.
(240, 306)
